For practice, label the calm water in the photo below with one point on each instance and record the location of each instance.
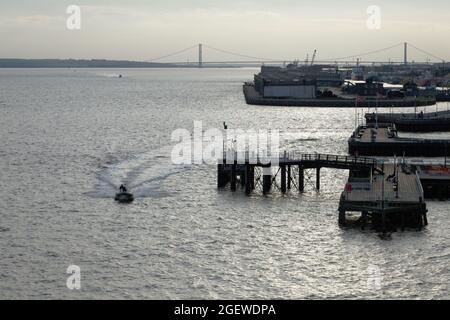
(70, 137)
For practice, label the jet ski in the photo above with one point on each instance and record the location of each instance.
(124, 197)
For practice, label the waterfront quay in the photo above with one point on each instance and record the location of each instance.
(382, 140)
(413, 122)
(386, 196)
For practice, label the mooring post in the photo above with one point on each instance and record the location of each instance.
(233, 177)
(318, 178)
(248, 187)
(301, 179)
(289, 177)
(283, 179)
(267, 181)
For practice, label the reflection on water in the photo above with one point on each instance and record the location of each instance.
(70, 138)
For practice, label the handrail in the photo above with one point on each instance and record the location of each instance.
(318, 157)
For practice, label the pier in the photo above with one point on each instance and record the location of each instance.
(290, 168)
(386, 201)
(386, 196)
(382, 140)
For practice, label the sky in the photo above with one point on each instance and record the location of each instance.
(276, 29)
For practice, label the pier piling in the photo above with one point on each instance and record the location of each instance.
(289, 177)
(248, 179)
(233, 177)
(342, 220)
(318, 178)
(267, 183)
(301, 179)
(283, 179)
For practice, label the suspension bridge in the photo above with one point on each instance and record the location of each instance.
(200, 50)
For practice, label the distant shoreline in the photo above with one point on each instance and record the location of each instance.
(95, 63)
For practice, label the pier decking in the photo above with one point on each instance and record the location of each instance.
(383, 140)
(388, 200)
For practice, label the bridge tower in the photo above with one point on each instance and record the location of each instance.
(405, 53)
(200, 55)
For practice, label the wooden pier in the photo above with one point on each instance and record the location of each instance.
(382, 140)
(290, 168)
(386, 196)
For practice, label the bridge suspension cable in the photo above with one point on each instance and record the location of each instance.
(260, 59)
(173, 54)
(240, 55)
(365, 53)
(425, 52)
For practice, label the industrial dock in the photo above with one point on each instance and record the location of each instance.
(413, 122)
(383, 140)
(383, 194)
(253, 97)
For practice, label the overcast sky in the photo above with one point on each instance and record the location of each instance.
(280, 29)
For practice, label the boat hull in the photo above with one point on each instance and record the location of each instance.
(124, 197)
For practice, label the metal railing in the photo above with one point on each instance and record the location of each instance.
(294, 156)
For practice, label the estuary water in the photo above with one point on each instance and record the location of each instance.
(70, 137)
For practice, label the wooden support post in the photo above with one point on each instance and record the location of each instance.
(363, 220)
(318, 178)
(220, 176)
(289, 177)
(252, 177)
(267, 183)
(233, 177)
(248, 187)
(301, 179)
(283, 179)
(383, 221)
(419, 219)
(342, 221)
(403, 223)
